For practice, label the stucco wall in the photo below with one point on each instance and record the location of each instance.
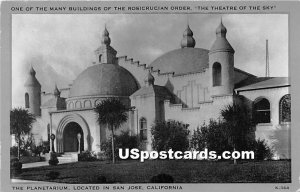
(197, 116)
(274, 131)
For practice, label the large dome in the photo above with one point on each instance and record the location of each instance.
(182, 61)
(104, 80)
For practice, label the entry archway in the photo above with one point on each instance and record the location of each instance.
(70, 137)
(63, 128)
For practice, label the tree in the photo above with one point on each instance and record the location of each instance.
(20, 124)
(170, 134)
(113, 113)
(238, 123)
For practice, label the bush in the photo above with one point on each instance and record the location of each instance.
(86, 156)
(122, 141)
(14, 151)
(162, 178)
(170, 135)
(212, 136)
(53, 175)
(261, 150)
(53, 159)
(15, 167)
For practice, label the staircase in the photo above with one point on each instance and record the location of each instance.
(68, 157)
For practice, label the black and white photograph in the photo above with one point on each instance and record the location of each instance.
(155, 100)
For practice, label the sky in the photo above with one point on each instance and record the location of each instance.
(61, 46)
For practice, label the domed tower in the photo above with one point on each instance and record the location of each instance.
(33, 93)
(105, 53)
(221, 63)
(106, 78)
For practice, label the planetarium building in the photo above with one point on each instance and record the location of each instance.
(188, 84)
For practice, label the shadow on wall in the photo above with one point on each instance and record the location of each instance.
(281, 141)
(90, 141)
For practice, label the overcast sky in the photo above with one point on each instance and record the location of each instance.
(59, 47)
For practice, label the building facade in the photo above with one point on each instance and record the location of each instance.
(188, 84)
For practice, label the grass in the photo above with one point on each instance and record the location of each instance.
(184, 171)
(29, 159)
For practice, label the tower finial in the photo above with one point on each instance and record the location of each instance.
(105, 36)
(56, 91)
(188, 39)
(187, 20)
(32, 71)
(149, 80)
(221, 29)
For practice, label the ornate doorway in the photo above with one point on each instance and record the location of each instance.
(70, 137)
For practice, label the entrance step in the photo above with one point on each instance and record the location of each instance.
(68, 157)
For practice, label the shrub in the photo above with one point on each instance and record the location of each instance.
(15, 167)
(170, 135)
(53, 159)
(122, 141)
(261, 150)
(162, 178)
(212, 136)
(14, 151)
(53, 175)
(86, 156)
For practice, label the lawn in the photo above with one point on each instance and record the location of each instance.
(183, 171)
(29, 159)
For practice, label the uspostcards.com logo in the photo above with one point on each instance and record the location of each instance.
(190, 155)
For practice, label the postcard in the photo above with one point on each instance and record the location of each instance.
(149, 96)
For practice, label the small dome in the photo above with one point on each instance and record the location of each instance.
(105, 37)
(221, 30)
(188, 39)
(104, 80)
(182, 61)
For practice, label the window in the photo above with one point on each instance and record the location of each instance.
(26, 100)
(143, 129)
(100, 58)
(217, 74)
(285, 109)
(262, 111)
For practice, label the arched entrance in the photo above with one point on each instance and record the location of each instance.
(68, 128)
(70, 137)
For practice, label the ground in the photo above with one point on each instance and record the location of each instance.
(185, 171)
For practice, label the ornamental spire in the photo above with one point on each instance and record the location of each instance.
(149, 80)
(32, 71)
(188, 39)
(56, 91)
(105, 37)
(221, 30)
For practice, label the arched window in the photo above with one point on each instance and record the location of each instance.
(143, 129)
(262, 111)
(26, 100)
(100, 58)
(285, 109)
(217, 74)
